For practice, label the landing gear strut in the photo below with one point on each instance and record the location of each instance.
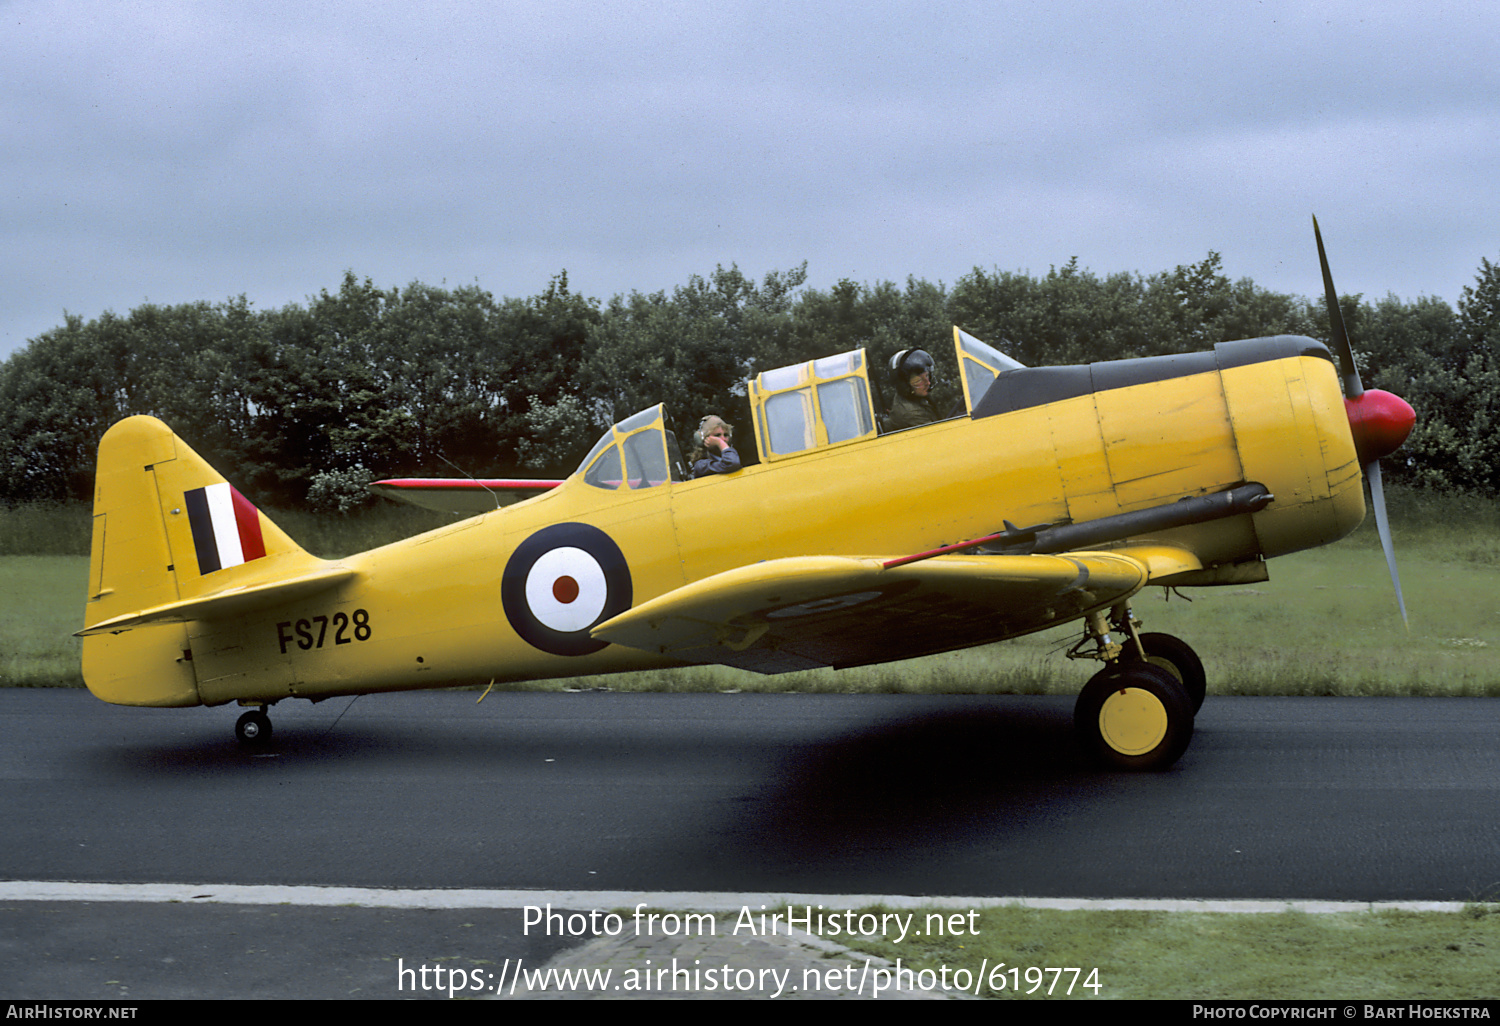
(1137, 712)
(254, 728)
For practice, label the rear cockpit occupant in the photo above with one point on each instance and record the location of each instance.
(911, 380)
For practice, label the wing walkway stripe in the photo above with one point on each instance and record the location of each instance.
(706, 901)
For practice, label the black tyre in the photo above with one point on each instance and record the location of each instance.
(253, 728)
(1134, 716)
(1176, 657)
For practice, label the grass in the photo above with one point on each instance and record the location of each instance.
(1372, 955)
(45, 529)
(41, 605)
(55, 529)
(331, 537)
(1325, 624)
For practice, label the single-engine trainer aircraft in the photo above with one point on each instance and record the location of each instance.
(1056, 495)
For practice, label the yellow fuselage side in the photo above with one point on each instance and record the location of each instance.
(427, 611)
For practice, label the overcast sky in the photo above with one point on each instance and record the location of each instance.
(168, 152)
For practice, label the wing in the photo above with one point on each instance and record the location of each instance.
(459, 494)
(795, 614)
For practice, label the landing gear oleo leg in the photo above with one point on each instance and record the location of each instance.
(1137, 712)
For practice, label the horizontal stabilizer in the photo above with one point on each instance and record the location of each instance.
(235, 601)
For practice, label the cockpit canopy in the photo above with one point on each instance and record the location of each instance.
(979, 365)
(638, 452)
(810, 405)
(805, 406)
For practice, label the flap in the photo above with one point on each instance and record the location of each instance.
(794, 614)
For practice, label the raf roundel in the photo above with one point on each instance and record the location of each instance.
(562, 581)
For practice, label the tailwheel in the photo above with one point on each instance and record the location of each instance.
(1176, 657)
(253, 728)
(1134, 716)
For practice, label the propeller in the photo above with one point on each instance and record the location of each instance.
(1378, 420)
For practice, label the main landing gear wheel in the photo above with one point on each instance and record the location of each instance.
(1134, 716)
(253, 728)
(1176, 657)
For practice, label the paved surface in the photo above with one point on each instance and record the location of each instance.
(130, 943)
(138, 951)
(1378, 799)
(1351, 799)
(126, 951)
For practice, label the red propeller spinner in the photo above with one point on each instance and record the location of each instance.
(1380, 422)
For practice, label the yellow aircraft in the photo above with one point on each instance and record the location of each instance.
(843, 547)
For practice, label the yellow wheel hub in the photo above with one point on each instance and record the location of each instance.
(1133, 721)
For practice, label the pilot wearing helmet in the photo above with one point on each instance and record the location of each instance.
(911, 379)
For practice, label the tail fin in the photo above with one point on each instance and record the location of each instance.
(173, 542)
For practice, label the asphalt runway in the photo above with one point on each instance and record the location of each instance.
(1297, 798)
(1350, 799)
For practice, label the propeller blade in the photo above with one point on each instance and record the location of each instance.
(1353, 388)
(1383, 525)
(1379, 421)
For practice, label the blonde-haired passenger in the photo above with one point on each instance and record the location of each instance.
(713, 448)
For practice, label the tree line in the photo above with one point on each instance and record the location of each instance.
(303, 405)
